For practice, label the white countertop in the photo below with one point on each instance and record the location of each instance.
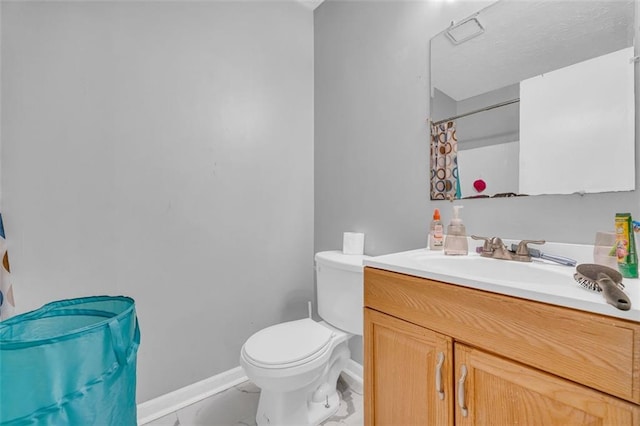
(563, 291)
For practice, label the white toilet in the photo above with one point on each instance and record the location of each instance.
(296, 364)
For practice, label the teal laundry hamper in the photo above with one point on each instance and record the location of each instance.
(71, 362)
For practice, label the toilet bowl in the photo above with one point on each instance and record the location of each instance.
(296, 364)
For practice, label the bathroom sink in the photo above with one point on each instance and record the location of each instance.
(538, 280)
(474, 268)
(494, 270)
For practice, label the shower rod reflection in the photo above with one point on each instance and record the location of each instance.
(487, 108)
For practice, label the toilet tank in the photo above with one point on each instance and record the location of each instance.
(340, 288)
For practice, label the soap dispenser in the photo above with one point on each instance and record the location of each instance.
(455, 242)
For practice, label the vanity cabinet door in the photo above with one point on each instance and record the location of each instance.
(497, 391)
(408, 373)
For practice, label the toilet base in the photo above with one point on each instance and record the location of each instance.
(321, 411)
(307, 413)
(310, 405)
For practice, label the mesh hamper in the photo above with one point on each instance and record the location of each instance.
(70, 362)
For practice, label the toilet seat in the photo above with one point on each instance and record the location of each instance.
(288, 344)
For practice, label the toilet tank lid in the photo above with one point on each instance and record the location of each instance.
(337, 259)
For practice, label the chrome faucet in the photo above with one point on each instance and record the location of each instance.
(499, 250)
(522, 252)
(495, 249)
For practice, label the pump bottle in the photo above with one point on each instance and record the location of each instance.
(455, 242)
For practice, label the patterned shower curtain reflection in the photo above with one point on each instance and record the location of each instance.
(7, 304)
(445, 183)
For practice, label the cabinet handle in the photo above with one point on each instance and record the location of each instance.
(461, 402)
(439, 375)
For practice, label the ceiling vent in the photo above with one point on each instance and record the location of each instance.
(464, 30)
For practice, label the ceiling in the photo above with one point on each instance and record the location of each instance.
(311, 4)
(527, 38)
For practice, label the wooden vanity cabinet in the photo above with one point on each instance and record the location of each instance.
(441, 354)
(411, 365)
(497, 391)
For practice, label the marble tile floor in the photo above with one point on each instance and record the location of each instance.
(237, 407)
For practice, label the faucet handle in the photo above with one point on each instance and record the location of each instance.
(523, 249)
(497, 242)
(487, 243)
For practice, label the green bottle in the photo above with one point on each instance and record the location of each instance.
(626, 246)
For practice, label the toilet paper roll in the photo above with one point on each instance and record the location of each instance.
(353, 243)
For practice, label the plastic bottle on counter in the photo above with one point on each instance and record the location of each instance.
(436, 232)
(456, 241)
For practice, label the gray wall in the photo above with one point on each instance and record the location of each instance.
(162, 150)
(371, 138)
(371, 135)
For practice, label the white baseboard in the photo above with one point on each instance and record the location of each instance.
(353, 375)
(183, 397)
(173, 401)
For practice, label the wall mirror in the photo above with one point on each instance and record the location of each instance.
(535, 97)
